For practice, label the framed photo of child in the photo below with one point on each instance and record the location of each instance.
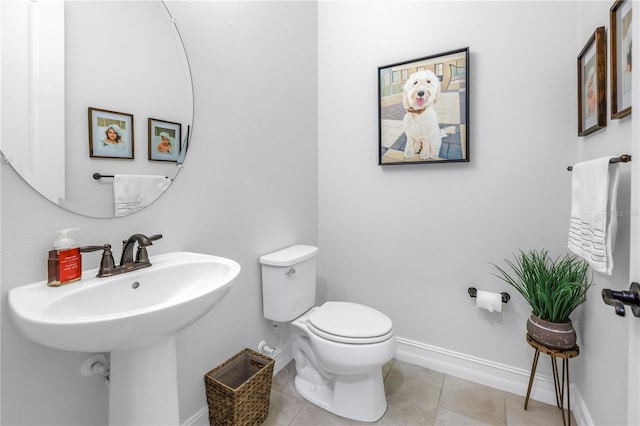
(592, 89)
(110, 134)
(164, 140)
(621, 31)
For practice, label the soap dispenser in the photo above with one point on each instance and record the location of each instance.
(64, 264)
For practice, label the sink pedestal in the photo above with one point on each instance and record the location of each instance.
(144, 386)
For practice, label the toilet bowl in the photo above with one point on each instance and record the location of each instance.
(339, 348)
(339, 372)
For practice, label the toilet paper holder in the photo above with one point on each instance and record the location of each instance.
(473, 292)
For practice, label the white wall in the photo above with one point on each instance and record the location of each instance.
(417, 236)
(249, 187)
(604, 348)
(410, 240)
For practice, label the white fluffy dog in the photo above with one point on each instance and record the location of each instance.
(420, 123)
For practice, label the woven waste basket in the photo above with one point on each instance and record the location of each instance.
(238, 391)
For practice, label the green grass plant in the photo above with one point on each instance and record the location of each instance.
(553, 287)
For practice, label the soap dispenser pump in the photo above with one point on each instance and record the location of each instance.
(64, 264)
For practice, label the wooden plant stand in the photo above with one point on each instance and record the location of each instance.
(565, 355)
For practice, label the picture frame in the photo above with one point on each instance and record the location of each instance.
(592, 87)
(422, 120)
(184, 147)
(110, 134)
(165, 138)
(620, 52)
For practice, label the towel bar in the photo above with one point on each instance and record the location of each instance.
(98, 176)
(625, 158)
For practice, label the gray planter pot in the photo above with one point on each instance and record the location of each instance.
(551, 334)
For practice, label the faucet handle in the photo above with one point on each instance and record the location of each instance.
(151, 238)
(87, 249)
(141, 254)
(107, 264)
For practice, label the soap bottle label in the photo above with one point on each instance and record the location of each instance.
(64, 266)
(70, 265)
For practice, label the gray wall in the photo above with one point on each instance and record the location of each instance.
(249, 186)
(284, 151)
(604, 349)
(409, 240)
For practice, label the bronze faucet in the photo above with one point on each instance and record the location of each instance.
(127, 261)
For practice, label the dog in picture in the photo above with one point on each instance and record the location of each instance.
(421, 92)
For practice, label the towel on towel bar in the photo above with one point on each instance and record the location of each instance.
(594, 221)
(134, 192)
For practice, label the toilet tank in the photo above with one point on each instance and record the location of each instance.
(289, 282)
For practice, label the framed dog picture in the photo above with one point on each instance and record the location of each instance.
(620, 17)
(164, 140)
(592, 88)
(110, 134)
(423, 107)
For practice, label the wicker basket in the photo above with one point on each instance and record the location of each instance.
(238, 391)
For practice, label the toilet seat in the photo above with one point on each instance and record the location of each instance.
(352, 323)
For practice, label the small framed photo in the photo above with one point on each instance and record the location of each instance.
(110, 134)
(164, 140)
(423, 107)
(592, 86)
(620, 15)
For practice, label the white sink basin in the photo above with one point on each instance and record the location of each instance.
(134, 316)
(126, 311)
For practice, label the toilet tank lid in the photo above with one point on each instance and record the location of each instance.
(289, 256)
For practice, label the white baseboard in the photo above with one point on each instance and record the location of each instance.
(580, 410)
(283, 356)
(200, 418)
(478, 370)
(489, 373)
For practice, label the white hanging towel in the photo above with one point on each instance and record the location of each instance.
(594, 221)
(134, 192)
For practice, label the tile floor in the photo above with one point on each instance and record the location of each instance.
(417, 396)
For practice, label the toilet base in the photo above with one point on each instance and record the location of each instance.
(359, 397)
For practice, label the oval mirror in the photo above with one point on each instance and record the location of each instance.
(97, 101)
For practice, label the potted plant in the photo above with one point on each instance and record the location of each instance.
(553, 288)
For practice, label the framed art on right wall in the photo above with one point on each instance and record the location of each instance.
(592, 89)
(620, 15)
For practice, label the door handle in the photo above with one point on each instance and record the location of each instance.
(618, 299)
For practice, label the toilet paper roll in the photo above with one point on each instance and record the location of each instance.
(492, 302)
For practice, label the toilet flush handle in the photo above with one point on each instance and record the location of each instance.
(290, 272)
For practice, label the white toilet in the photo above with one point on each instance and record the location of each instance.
(339, 348)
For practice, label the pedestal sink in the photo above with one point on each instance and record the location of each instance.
(135, 316)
